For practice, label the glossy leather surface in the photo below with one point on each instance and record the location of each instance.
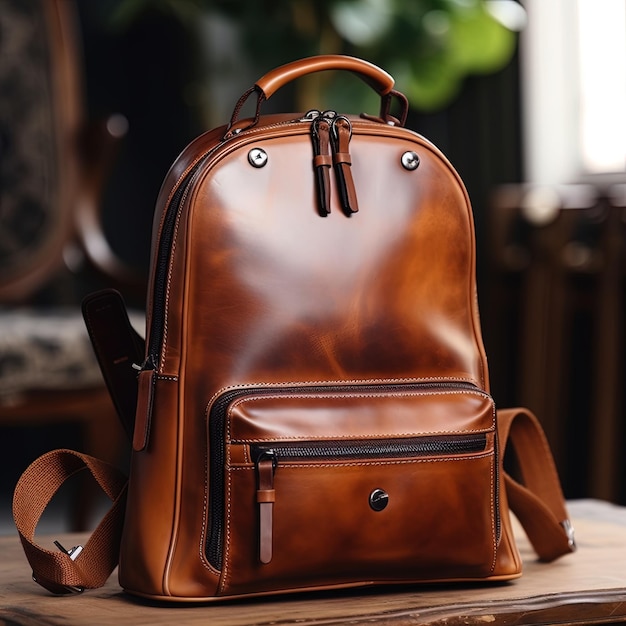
(377, 295)
(262, 291)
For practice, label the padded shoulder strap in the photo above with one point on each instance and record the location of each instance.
(537, 500)
(538, 504)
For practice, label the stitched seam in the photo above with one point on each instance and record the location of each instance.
(493, 515)
(278, 438)
(358, 396)
(225, 567)
(352, 381)
(170, 270)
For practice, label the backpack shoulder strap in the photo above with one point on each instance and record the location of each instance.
(537, 499)
(538, 504)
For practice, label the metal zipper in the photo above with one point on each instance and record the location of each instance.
(166, 240)
(161, 270)
(217, 425)
(368, 449)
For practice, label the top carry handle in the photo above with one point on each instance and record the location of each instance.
(270, 83)
(374, 76)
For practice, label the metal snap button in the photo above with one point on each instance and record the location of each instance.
(257, 157)
(378, 499)
(410, 160)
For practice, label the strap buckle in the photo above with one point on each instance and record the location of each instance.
(58, 588)
(569, 531)
(72, 552)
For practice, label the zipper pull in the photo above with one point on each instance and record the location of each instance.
(146, 383)
(341, 135)
(322, 160)
(266, 496)
(309, 116)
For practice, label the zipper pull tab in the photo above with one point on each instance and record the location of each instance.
(146, 383)
(341, 135)
(322, 160)
(266, 496)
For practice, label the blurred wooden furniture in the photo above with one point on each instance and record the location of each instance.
(53, 167)
(586, 587)
(556, 323)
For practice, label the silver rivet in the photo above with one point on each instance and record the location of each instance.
(378, 499)
(257, 157)
(410, 160)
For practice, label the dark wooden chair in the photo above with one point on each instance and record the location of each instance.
(557, 288)
(53, 168)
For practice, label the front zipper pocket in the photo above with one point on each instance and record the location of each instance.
(340, 484)
(267, 458)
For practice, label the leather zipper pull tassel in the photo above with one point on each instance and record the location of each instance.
(341, 135)
(266, 497)
(322, 160)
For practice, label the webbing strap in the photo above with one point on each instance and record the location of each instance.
(75, 569)
(537, 500)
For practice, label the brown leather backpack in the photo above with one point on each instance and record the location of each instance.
(313, 406)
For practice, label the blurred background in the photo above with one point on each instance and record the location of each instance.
(97, 98)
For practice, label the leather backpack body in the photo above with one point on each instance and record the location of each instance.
(313, 407)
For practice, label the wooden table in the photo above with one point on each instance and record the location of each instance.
(588, 587)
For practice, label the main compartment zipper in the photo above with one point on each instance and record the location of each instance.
(217, 445)
(335, 135)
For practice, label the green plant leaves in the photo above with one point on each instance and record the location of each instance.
(429, 46)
